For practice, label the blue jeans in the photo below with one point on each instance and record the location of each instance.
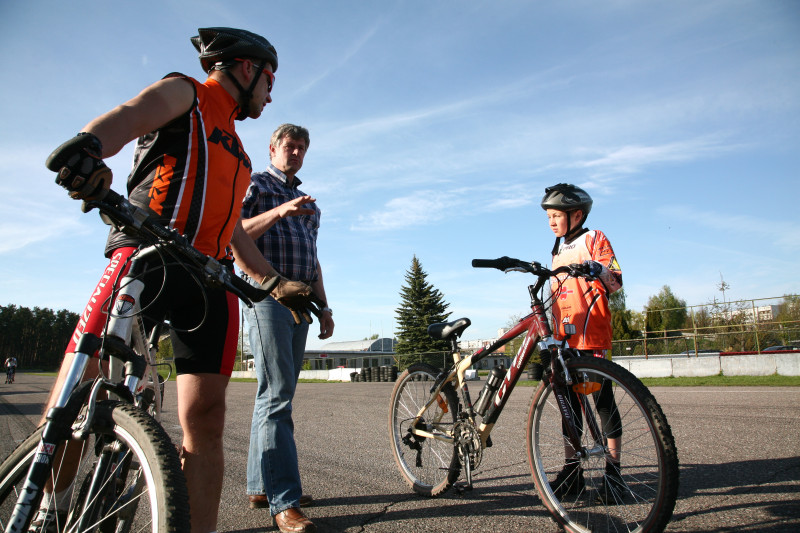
(278, 345)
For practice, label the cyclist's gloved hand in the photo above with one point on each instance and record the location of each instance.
(593, 268)
(295, 296)
(80, 167)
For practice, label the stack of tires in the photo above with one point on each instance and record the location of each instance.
(375, 374)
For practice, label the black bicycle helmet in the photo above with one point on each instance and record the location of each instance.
(220, 47)
(567, 197)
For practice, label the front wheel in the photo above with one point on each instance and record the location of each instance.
(128, 478)
(640, 495)
(429, 464)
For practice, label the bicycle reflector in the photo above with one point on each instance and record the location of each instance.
(586, 387)
(442, 403)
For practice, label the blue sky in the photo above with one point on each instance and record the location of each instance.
(435, 127)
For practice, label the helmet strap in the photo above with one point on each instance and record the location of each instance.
(555, 247)
(245, 95)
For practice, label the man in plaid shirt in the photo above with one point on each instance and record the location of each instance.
(284, 222)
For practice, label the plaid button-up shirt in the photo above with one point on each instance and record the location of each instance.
(290, 245)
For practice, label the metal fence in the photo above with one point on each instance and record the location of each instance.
(739, 326)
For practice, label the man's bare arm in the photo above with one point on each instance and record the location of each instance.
(154, 107)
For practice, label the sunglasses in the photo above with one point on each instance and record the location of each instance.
(270, 75)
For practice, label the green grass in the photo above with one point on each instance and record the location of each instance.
(725, 381)
(712, 381)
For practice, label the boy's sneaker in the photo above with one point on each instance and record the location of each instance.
(568, 482)
(612, 490)
(48, 522)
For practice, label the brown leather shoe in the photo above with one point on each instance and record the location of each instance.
(260, 501)
(294, 521)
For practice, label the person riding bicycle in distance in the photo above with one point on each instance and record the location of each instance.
(584, 303)
(11, 368)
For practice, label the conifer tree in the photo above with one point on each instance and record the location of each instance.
(420, 306)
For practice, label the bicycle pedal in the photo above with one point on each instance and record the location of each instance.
(462, 487)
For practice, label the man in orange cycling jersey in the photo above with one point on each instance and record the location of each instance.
(191, 171)
(584, 303)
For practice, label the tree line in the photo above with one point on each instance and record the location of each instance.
(36, 337)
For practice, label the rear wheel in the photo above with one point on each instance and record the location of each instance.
(142, 487)
(429, 465)
(645, 499)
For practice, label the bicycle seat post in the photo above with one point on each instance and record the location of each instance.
(453, 344)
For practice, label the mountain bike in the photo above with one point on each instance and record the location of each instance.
(125, 473)
(10, 373)
(600, 449)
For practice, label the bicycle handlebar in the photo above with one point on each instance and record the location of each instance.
(137, 222)
(508, 264)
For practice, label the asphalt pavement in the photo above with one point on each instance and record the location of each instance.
(738, 449)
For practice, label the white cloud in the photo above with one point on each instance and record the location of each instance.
(780, 232)
(633, 158)
(344, 57)
(35, 227)
(416, 209)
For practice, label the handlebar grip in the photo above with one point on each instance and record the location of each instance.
(501, 263)
(112, 197)
(254, 294)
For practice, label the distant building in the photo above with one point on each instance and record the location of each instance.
(497, 358)
(763, 313)
(380, 352)
(352, 354)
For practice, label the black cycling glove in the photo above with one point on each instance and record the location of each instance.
(80, 167)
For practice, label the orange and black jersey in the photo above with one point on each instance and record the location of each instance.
(193, 172)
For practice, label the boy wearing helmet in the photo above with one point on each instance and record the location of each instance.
(584, 303)
(189, 170)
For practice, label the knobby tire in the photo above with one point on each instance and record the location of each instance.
(649, 459)
(145, 489)
(428, 465)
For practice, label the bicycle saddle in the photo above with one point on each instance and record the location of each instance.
(445, 330)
